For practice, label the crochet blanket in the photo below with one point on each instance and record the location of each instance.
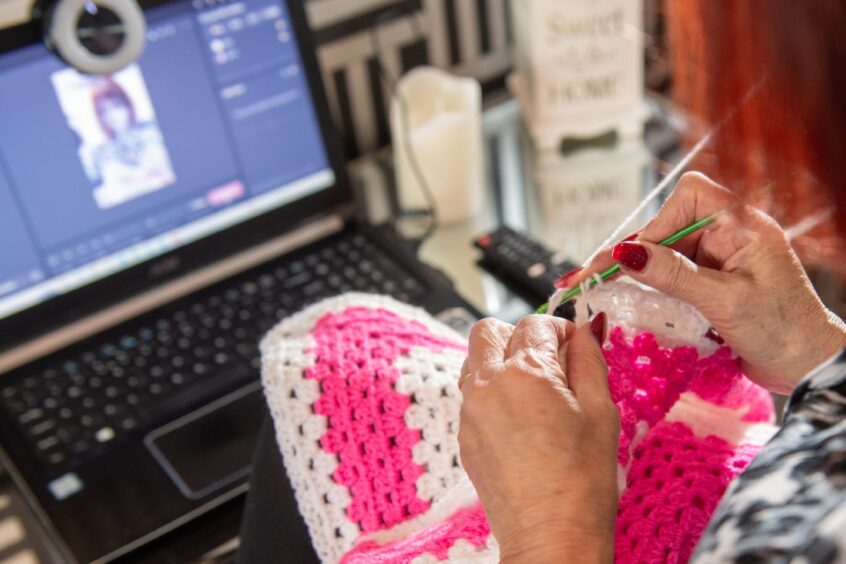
(362, 390)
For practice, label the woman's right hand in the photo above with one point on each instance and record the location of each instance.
(744, 277)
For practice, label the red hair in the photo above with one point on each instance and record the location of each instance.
(778, 68)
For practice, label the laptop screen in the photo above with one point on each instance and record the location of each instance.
(214, 125)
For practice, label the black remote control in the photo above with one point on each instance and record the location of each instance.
(524, 265)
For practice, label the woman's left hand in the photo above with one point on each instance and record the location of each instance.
(539, 441)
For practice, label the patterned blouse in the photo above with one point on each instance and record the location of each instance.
(790, 503)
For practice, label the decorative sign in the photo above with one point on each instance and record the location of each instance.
(579, 67)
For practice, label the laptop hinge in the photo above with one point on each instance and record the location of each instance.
(170, 291)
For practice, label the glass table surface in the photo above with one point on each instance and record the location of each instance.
(570, 204)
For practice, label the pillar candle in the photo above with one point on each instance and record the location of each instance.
(444, 118)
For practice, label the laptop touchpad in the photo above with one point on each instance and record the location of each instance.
(212, 447)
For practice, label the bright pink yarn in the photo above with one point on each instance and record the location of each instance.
(675, 482)
(646, 380)
(354, 356)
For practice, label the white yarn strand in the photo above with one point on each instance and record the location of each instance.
(668, 179)
(557, 297)
(663, 185)
(808, 223)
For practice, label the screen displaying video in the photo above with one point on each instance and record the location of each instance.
(212, 126)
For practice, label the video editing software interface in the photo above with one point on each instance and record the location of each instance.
(213, 125)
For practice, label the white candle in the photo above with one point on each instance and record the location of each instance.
(444, 117)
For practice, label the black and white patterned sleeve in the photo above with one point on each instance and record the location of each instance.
(790, 503)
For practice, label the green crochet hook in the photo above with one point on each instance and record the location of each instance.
(615, 268)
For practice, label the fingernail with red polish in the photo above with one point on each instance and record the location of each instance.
(598, 327)
(714, 336)
(631, 237)
(631, 255)
(565, 278)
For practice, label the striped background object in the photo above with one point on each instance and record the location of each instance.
(470, 37)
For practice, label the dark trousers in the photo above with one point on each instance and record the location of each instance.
(272, 529)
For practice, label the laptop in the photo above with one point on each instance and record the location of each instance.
(155, 223)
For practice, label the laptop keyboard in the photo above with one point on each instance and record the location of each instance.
(190, 352)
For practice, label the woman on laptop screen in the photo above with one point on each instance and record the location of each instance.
(122, 148)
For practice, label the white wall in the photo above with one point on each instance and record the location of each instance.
(13, 11)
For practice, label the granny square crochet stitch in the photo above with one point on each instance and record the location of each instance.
(362, 390)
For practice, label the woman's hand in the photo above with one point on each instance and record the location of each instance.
(540, 442)
(742, 274)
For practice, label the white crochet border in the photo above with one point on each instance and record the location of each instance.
(307, 318)
(428, 376)
(637, 308)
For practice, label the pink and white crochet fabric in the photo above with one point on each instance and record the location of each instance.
(691, 421)
(363, 394)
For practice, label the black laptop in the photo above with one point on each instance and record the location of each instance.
(153, 225)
